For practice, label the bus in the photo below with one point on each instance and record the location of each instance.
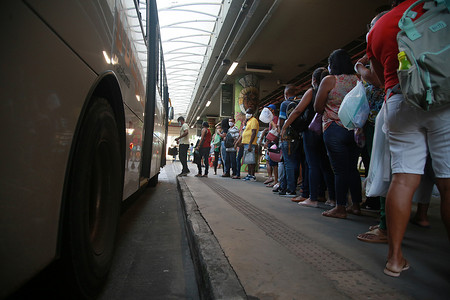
(84, 110)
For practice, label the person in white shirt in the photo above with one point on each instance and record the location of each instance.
(183, 141)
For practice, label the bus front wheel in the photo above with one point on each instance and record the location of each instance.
(94, 201)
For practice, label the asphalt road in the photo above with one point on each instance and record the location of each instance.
(152, 258)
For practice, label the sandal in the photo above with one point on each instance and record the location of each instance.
(272, 184)
(352, 211)
(373, 236)
(373, 227)
(308, 203)
(333, 214)
(330, 203)
(269, 180)
(423, 224)
(390, 272)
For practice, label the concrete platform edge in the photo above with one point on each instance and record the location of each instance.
(217, 279)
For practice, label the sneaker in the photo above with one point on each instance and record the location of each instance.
(282, 192)
(246, 177)
(276, 188)
(252, 178)
(288, 194)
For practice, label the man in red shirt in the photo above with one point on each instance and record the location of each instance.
(413, 133)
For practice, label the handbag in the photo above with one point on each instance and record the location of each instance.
(249, 157)
(197, 157)
(316, 124)
(275, 153)
(272, 136)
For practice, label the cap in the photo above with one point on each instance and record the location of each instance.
(272, 106)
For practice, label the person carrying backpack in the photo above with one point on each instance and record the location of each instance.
(318, 164)
(290, 143)
(413, 133)
(230, 159)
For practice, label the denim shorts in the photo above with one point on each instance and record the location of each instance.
(413, 133)
(246, 147)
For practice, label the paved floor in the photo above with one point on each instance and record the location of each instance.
(280, 250)
(152, 258)
(248, 243)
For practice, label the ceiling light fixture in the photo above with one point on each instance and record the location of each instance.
(258, 68)
(231, 69)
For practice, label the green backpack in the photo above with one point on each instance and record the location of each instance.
(426, 42)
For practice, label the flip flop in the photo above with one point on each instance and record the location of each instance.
(268, 181)
(298, 199)
(307, 204)
(415, 222)
(352, 211)
(330, 203)
(330, 214)
(393, 273)
(373, 227)
(373, 236)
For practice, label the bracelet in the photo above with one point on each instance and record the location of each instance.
(355, 67)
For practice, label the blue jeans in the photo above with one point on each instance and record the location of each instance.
(305, 170)
(230, 162)
(318, 165)
(343, 153)
(223, 153)
(239, 159)
(291, 165)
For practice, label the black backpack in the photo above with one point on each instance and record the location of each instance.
(229, 140)
(302, 122)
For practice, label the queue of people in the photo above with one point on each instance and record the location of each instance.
(327, 160)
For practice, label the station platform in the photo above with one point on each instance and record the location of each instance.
(249, 243)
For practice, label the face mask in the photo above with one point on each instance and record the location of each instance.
(179, 123)
(248, 116)
(231, 124)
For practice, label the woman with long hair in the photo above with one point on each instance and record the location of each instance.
(340, 142)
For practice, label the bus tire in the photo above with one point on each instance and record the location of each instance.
(94, 200)
(153, 181)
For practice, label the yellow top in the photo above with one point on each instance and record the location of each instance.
(247, 134)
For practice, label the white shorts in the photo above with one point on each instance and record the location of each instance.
(413, 133)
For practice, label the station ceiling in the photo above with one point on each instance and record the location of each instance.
(289, 37)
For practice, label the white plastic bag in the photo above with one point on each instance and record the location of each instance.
(249, 157)
(379, 177)
(354, 108)
(266, 115)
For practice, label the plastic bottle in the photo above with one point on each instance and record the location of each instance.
(403, 61)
